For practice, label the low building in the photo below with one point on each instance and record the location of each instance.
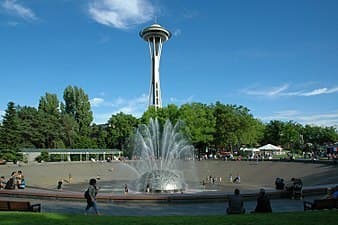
(69, 154)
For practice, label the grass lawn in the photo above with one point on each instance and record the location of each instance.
(294, 218)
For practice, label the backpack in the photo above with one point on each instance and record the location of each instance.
(86, 194)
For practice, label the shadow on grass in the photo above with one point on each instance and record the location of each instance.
(296, 218)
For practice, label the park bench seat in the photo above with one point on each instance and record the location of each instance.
(320, 204)
(19, 206)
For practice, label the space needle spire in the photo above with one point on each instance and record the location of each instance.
(155, 35)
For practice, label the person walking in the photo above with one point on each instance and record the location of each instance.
(90, 195)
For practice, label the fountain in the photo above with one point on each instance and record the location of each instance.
(160, 156)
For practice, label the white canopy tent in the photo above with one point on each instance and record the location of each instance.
(271, 148)
(250, 149)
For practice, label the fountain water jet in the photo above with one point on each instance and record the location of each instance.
(159, 156)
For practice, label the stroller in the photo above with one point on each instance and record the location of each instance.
(296, 190)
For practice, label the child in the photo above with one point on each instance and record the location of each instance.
(125, 189)
(59, 186)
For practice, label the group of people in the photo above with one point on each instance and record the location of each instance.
(211, 180)
(16, 181)
(236, 203)
(293, 187)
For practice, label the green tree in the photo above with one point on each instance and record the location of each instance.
(171, 112)
(120, 127)
(69, 130)
(316, 136)
(30, 128)
(10, 128)
(50, 105)
(151, 112)
(273, 133)
(50, 129)
(252, 133)
(235, 126)
(78, 106)
(50, 118)
(9, 134)
(99, 135)
(199, 124)
(291, 136)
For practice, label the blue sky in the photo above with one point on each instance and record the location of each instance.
(279, 58)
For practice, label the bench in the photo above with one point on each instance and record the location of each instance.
(320, 204)
(19, 206)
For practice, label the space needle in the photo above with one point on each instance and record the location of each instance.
(155, 35)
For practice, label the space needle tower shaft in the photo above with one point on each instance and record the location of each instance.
(155, 35)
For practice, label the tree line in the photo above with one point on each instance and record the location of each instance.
(69, 124)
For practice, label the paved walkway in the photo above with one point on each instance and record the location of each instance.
(160, 209)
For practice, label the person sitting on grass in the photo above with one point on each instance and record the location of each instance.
(263, 203)
(236, 204)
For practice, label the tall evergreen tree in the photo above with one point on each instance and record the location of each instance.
(9, 135)
(29, 128)
(10, 128)
(78, 106)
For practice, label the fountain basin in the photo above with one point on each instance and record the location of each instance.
(161, 181)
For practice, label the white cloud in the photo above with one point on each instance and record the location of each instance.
(96, 102)
(17, 9)
(267, 91)
(182, 101)
(12, 23)
(104, 39)
(101, 118)
(121, 14)
(134, 106)
(323, 119)
(320, 91)
(284, 91)
(177, 32)
(119, 101)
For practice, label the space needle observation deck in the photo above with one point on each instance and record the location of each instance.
(155, 35)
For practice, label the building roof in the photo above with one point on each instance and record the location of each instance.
(74, 151)
(270, 147)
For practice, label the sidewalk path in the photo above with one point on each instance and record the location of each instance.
(160, 209)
